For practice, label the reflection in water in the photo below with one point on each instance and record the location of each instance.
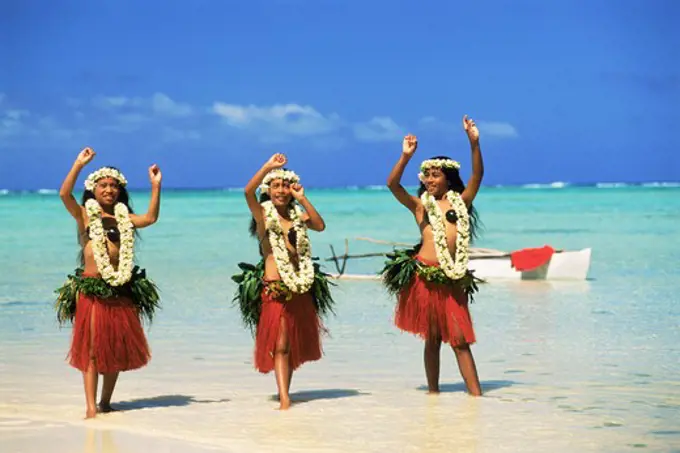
(107, 443)
(441, 420)
(287, 430)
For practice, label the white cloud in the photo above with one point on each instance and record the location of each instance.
(48, 126)
(21, 124)
(127, 122)
(278, 120)
(431, 123)
(119, 114)
(378, 129)
(16, 114)
(132, 118)
(130, 114)
(120, 101)
(116, 102)
(159, 103)
(497, 129)
(170, 120)
(278, 123)
(162, 104)
(10, 127)
(12, 122)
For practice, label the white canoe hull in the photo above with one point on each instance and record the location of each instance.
(567, 265)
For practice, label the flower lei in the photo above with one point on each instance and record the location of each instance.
(301, 281)
(127, 243)
(104, 172)
(439, 163)
(286, 175)
(454, 269)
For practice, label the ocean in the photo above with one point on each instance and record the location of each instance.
(588, 366)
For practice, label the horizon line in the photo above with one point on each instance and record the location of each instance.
(530, 185)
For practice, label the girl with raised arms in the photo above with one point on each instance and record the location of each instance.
(284, 296)
(108, 295)
(432, 281)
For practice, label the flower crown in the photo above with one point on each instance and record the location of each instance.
(104, 172)
(437, 163)
(286, 175)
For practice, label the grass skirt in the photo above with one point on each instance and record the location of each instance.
(432, 310)
(110, 332)
(303, 325)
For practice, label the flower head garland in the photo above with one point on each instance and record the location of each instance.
(436, 163)
(104, 172)
(286, 175)
(301, 281)
(454, 269)
(98, 239)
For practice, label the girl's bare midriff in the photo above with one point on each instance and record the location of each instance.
(427, 251)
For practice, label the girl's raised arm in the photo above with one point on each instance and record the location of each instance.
(66, 189)
(274, 162)
(409, 146)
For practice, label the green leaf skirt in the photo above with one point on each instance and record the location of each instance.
(251, 283)
(402, 266)
(140, 289)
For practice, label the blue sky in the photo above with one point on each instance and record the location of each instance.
(562, 90)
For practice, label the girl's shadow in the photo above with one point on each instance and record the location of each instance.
(487, 386)
(162, 401)
(305, 396)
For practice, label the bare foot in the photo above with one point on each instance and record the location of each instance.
(105, 408)
(285, 404)
(90, 413)
(433, 391)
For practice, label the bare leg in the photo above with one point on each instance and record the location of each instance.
(431, 355)
(468, 369)
(107, 390)
(282, 367)
(90, 377)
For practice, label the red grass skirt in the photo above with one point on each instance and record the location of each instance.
(430, 310)
(109, 331)
(304, 331)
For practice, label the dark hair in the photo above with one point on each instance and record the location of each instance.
(123, 197)
(456, 184)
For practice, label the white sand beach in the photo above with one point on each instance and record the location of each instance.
(200, 391)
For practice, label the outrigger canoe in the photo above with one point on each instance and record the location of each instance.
(543, 263)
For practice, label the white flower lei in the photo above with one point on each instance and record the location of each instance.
(127, 243)
(301, 281)
(104, 172)
(454, 269)
(286, 175)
